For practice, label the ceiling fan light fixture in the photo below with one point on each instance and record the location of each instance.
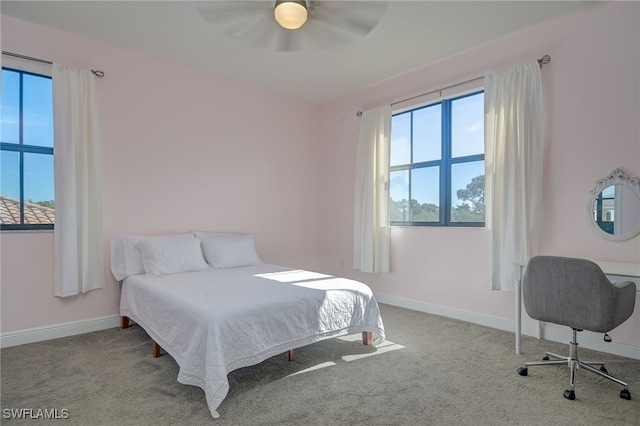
(290, 14)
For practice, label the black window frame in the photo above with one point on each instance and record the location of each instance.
(445, 164)
(605, 225)
(22, 149)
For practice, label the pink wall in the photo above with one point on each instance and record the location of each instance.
(181, 149)
(185, 149)
(591, 93)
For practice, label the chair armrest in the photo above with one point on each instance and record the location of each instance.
(626, 300)
(622, 285)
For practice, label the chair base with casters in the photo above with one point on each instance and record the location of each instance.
(574, 363)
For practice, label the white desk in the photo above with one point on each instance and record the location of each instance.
(615, 271)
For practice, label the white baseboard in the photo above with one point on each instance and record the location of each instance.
(560, 335)
(38, 334)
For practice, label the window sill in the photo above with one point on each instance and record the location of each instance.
(437, 227)
(26, 231)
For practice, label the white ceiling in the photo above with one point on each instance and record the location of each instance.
(411, 34)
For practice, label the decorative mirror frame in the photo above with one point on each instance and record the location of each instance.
(616, 177)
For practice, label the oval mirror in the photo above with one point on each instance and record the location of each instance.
(613, 210)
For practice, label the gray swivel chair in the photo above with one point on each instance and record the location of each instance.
(575, 293)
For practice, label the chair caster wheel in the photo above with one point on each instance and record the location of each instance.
(546, 358)
(604, 370)
(625, 394)
(569, 394)
(523, 371)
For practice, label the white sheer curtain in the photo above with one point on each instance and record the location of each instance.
(79, 260)
(513, 158)
(371, 218)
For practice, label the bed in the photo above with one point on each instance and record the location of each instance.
(209, 301)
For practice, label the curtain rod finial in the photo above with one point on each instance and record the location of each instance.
(544, 60)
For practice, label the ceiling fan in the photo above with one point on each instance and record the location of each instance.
(288, 26)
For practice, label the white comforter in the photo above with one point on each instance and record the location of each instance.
(214, 322)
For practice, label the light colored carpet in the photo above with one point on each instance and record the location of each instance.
(433, 371)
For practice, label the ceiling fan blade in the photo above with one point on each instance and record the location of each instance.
(284, 40)
(329, 24)
(262, 34)
(235, 17)
(357, 17)
(317, 36)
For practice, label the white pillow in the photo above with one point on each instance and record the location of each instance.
(126, 259)
(173, 256)
(229, 250)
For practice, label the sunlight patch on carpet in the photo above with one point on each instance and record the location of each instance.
(315, 367)
(384, 347)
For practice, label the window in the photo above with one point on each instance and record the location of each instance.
(437, 164)
(26, 151)
(604, 209)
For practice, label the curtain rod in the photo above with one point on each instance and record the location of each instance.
(97, 73)
(542, 61)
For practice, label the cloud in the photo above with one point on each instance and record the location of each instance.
(400, 150)
(474, 127)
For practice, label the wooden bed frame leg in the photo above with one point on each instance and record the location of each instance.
(157, 350)
(124, 322)
(367, 338)
(291, 357)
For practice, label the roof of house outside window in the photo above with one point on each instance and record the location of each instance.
(34, 214)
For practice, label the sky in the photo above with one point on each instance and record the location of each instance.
(467, 135)
(37, 130)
